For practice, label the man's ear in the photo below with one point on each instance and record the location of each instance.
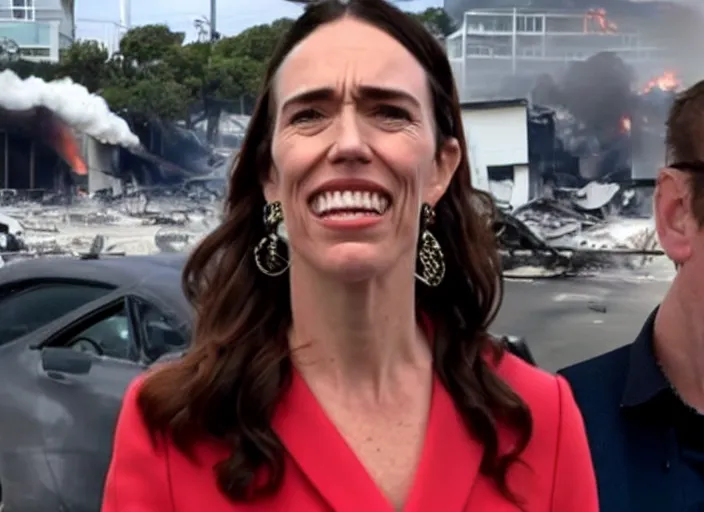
(673, 219)
(446, 164)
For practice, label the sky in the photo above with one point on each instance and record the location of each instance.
(98, 19)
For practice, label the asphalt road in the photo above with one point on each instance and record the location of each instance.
(568, 320)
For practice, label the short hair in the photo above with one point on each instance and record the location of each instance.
(684, 141)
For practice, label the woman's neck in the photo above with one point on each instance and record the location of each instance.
(359, 335)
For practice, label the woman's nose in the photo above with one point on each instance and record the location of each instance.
(350, 143)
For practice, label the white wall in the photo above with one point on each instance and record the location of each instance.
(520, 193)
(498, 136)
(499, 133)
(98, 157)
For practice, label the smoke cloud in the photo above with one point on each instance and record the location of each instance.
(69, 101)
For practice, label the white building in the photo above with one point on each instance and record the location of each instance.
(39, 28)
(496, 133)
(496, 45)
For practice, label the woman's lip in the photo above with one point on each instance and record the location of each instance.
(350, 223)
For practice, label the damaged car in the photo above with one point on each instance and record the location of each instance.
(73, 334)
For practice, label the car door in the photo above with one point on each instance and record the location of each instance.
(86, 361)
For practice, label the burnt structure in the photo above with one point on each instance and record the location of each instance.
(581, 133)
(169, 155)
(40, 155)
(38, 152)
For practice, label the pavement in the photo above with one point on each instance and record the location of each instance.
(567, 320)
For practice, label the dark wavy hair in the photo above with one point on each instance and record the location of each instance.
(228, 385)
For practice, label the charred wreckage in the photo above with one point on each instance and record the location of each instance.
(76, 178)
(595, 151)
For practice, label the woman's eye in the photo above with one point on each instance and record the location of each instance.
(306, 116)
(393, 112)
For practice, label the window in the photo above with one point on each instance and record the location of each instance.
(29, 308)
(157, 332)
(23, 10)
(111, 337)
(35, 52)
(529, 24)
(479, 51)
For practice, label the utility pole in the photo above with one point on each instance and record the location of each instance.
(214, 36)
(126, 14)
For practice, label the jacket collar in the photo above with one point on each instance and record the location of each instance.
(644, 380)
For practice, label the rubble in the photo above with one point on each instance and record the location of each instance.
(578, 231)
(143, 222)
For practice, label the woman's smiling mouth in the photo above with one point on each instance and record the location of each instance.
(350, 204)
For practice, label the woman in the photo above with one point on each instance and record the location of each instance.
(324, 375)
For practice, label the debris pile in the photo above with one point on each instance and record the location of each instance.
(144, 221)
(601, 225)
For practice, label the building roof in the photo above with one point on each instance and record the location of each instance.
(494, 104)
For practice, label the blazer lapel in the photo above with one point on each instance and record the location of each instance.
(450, 461)
(322, 455)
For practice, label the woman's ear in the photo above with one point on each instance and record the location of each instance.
(446, 164)
(271, 186)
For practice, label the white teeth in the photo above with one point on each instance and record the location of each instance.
(349, 200)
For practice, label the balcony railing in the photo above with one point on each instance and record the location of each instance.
(27, 33)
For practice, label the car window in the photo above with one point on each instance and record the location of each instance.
(110, 337)
(30, 308)
(159, 335)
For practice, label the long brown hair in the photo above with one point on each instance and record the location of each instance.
(229, 384)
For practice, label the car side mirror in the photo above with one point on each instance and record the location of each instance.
(66, 360)
(519, 348)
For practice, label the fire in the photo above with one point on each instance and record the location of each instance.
(625, 124)
(596, 18)
(668, 81)
(65, 145)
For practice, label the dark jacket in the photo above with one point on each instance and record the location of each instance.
(647, 446)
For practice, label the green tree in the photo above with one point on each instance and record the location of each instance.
(23, 68)
(85, 63)
(437, 21)
(190, 65)
(155, 75)
(149, 43)
(149, 98)
(257, 42)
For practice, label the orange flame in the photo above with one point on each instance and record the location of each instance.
(596, 21)
(625, 124)
(65, 145)
(668, 81)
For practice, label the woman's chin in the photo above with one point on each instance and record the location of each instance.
(353, 262)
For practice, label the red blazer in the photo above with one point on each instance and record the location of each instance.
(323, 475)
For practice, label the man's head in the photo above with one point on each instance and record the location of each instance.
(679, 195)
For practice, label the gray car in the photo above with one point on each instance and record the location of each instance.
(73, 334)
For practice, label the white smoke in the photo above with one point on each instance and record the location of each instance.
(71, 102)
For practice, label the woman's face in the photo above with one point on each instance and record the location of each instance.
(354, 151)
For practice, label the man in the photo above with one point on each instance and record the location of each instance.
(643, 404)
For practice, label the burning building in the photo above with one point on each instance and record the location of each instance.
(57, 137)
(500, 52)
(38, 151)
(614, 132)
(39, 121)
